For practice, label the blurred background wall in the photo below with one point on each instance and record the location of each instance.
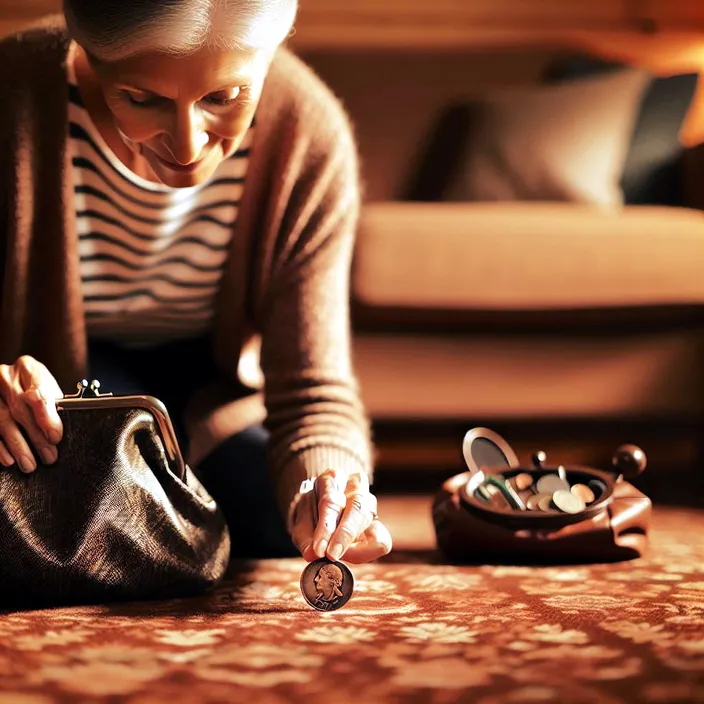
(662, 35)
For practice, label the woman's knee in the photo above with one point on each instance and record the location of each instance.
(236, 476)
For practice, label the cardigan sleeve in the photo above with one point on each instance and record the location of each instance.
(314, 411)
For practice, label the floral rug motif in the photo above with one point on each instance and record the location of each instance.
(413, 632)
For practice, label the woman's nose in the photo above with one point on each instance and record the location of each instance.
(187, 137)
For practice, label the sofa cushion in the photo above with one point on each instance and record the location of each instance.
(527, 257)
(562, 142)
(651, 173)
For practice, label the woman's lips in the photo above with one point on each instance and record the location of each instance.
(181, 168)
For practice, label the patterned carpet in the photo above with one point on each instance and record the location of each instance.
(414, 631)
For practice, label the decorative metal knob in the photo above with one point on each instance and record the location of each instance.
(629, 460)
(539, 459)
(87, 389)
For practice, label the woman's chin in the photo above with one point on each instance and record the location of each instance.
(184, 176)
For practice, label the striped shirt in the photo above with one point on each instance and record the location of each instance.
(151, 256)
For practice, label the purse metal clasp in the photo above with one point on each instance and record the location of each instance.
(88, 396)
(88, 390)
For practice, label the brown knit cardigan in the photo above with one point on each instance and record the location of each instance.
(284, 296)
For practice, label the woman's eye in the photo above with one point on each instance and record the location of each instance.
(139, 99)
(219, 101)
(223, 99)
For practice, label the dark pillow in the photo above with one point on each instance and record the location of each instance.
(652, 170)
(565, 142)
(438, 161)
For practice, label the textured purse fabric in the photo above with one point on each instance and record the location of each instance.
(109, 521)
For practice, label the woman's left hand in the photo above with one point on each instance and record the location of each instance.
(338, 519)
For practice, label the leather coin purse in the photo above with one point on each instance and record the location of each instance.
(119, 516)
(500, 511)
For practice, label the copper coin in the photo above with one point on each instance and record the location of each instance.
(583, 492)
(568, 502)
(550, 483)
(522, 481)
(533, 502)
(327, 585)
(545, 504)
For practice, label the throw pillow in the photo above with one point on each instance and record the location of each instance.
(652, 172)
(562, 142)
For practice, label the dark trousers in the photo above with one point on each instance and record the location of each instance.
(235, 472)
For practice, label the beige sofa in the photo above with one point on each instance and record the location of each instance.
(499, 313)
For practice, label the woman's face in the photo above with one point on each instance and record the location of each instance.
(186, 114)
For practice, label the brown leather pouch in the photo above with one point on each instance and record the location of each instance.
(118, 516)
(614, 527)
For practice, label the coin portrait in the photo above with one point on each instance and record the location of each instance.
(326, 585)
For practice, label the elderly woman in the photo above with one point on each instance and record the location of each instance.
(178, 199)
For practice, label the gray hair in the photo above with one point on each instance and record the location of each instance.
(111, 30)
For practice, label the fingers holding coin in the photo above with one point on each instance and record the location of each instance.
(338, 518)
(318, 513)
(358, 515)
(374, 543)
(330, 492)
(304, 526)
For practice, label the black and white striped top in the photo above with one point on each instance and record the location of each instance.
(151, 256)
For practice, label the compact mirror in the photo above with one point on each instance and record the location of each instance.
(482, 448)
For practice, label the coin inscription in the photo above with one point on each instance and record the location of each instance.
(327, 585)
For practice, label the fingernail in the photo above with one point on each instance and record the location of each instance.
(27, 463)
(336, 551)
(53, 436)
(49, 454)
(6, 458)
(321, 547)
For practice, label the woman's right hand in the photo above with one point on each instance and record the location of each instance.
(28, 395)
